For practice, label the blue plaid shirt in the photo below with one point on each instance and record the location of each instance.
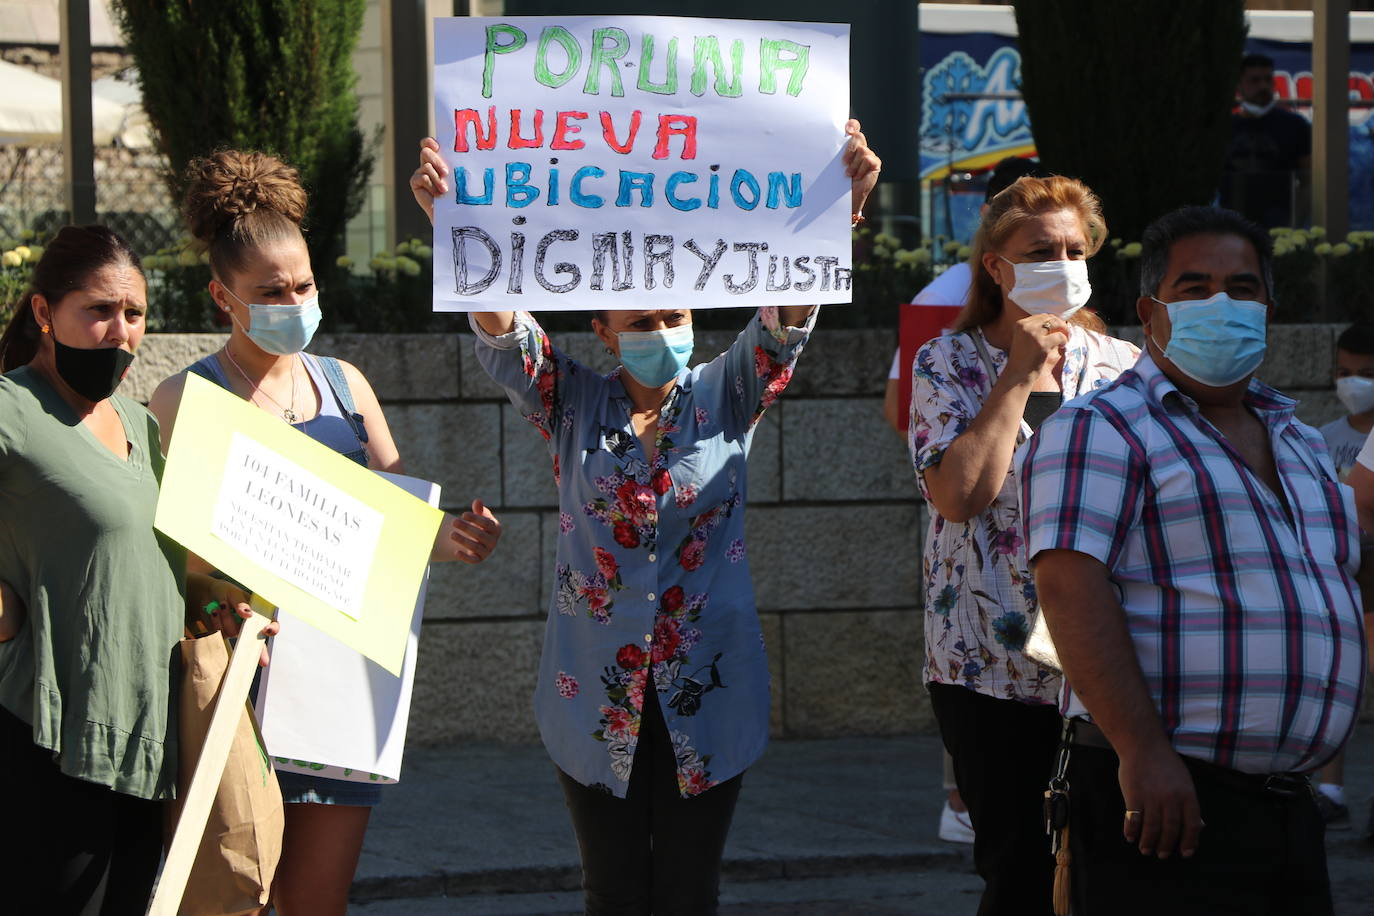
(652, 587)
(1247, 624)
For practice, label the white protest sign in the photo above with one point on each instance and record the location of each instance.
(310, 531)
(296, 524)
(603, 162)
(326, 710)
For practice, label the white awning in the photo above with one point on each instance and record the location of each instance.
(38, 22)
(31, 110)
(135, 131)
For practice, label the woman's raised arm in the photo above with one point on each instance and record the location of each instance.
(426, 183)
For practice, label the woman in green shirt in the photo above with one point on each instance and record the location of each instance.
(94, 600)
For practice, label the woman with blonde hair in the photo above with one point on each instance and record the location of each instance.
(1023, 344)
(245, 208)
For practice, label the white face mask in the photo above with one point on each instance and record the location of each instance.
(1258, 111)
(1356, 393)
(1050, 287)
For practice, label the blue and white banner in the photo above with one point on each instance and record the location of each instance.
(972, 115)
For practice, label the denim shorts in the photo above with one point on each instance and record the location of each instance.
(304, 789)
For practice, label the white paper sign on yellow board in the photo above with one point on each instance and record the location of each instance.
(319, 536)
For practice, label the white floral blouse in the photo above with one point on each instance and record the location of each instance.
(980, 595)
(652, 584)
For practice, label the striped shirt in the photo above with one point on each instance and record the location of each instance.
(1246, 624)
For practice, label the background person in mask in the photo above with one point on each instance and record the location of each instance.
(1021, 346)
(1353, 374)
(653, 686)
(1269, 158)
(1345, 437)
(92, 600)
(245, 208)
(1196, 557)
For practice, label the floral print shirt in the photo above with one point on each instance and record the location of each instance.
(980, 595)
(652, 586)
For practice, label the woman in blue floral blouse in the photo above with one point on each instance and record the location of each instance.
(653, 686)
(1022, 345)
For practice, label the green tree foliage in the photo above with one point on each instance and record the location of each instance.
(270, 75)
(1133, 97)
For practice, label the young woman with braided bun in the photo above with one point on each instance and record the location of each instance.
(246, 208)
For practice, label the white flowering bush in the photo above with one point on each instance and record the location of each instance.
(178, 289)
(1339, 271)
(1311, 270)
(886, 275)
(392, 294)
(17, 257)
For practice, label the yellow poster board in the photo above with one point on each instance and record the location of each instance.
(316, 534)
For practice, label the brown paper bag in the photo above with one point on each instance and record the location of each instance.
(238, 854)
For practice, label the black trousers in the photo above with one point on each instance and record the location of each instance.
(1261, 853)
(70, 847)
(1003, 753)
(652, 851)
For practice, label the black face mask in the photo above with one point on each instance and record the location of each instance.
(93, 374)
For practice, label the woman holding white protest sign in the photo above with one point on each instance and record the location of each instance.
(92, 601)
(653, 692)
(245, 208)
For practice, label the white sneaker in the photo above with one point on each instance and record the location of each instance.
(955, 826)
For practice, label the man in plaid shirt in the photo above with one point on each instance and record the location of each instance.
(1195, 558)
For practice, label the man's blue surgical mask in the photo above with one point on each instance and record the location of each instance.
(655, 358)
(1216, 341)
(281, 329)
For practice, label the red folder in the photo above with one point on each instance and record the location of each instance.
(917, 324)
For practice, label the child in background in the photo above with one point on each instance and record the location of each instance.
(1354, 375)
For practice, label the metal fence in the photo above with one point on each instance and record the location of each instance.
(131, 195)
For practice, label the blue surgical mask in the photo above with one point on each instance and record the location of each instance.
(1216, 341)
(655, 358)
(281, 329)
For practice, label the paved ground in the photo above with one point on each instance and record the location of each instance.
(843, 826)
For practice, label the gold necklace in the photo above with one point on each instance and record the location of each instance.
(287, 413)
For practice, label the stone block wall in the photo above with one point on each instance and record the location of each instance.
(835, 524)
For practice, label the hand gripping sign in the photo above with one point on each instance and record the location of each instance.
(307, 531)
(312, 532)
(640, 162)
